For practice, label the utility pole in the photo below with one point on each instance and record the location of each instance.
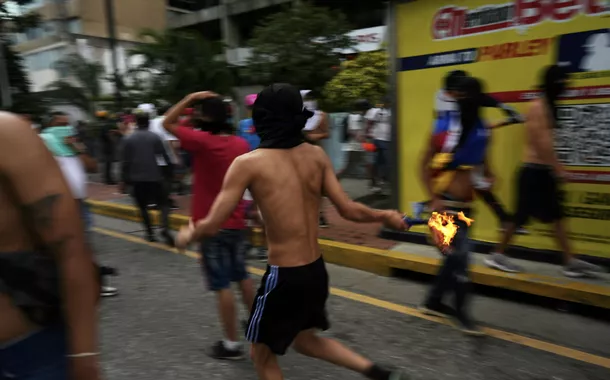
(110, 23)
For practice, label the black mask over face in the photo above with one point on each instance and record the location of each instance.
(208, 126)
(469, 105)
(279, 117)
(554, 83)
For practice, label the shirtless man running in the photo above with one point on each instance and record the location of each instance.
(539, 179)
(287, 178)
(48, 286)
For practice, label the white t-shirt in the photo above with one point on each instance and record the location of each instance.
(443, 102)
(382, 121)
(356, 128)
(75, 174)
(312, 122)
(156, 126)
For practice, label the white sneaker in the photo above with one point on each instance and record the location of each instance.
(577, 269)
(109, 291)
(503, 263)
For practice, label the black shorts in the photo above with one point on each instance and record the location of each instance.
(289, 300)
(538, 195)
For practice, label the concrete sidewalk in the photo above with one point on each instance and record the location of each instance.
(357, 246)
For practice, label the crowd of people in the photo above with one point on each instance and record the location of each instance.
(273, 173)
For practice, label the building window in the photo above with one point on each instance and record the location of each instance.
(43, 60)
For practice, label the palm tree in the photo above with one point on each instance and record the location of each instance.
(177, 63)
(82, 85)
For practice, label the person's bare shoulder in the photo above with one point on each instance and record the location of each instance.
(16, 135)
(535, 111)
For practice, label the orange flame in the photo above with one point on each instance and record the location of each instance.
(443, 228)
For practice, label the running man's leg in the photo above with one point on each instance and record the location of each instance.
(216, 254)
(141, 194)
(238, 267)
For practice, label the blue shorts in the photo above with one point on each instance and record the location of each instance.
(224, 259)
(39, 356)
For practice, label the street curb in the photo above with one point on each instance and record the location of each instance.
(383, 262)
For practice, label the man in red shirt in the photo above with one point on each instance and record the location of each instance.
(213, 148)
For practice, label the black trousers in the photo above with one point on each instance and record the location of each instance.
(146, 193)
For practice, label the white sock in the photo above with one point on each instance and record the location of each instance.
(231, 346)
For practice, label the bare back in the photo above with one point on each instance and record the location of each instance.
(287, 187)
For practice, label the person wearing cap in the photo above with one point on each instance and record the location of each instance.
(213, 147)
(379, 121)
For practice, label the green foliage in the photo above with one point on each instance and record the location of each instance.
(84, 85)
(178, 63)
(23, 100)
(300, 45)
(366, 77)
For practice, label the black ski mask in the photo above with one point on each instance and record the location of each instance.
(553, 84)
(279, 117)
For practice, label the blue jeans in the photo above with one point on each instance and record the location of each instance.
(40, 356)
(382, 158)
(224, 259)
(453, 274)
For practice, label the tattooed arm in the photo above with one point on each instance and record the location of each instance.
(51, 213)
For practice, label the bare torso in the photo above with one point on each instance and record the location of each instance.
(13, 238)
(287, 187)
(461, 186)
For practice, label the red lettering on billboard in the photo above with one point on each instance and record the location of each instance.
(453, 21)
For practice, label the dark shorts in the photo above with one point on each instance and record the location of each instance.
(224, 259)
(538, 195)
(39, 356)
(289, 300)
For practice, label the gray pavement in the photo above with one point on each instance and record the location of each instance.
(164, 320)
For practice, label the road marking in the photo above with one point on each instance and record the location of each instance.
(498, 334)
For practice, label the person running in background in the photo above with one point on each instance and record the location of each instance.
(214, 147)
(48, 283)
(287, 178)
(247, 131)
(316, 129)
(483, 178)
(380, 126)
(539, 179)
(446, 171)
(143, 157)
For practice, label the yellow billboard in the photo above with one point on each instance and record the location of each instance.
(506, 44)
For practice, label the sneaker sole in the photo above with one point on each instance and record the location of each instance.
(106, 295)
(493, 265)
(472, 333)
(229, 358)
(426, 311)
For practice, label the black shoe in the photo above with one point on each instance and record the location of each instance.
(323, 223)
(219, 351)
(463, 323)
(151, 238)
(437, 309)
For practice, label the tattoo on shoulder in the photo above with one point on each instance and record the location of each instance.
(40, 212)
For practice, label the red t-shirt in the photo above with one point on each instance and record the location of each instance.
(212, 155)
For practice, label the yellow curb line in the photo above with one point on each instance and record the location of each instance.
(383, 262)
(498, 334)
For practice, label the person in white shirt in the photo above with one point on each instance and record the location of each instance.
(355, 137)
(171, 145)
(380, 125)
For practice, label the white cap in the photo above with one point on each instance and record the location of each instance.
(304, 93)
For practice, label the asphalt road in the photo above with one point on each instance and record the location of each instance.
(164, 321)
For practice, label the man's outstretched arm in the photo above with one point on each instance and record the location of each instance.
(52, 214)
(354, 211)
